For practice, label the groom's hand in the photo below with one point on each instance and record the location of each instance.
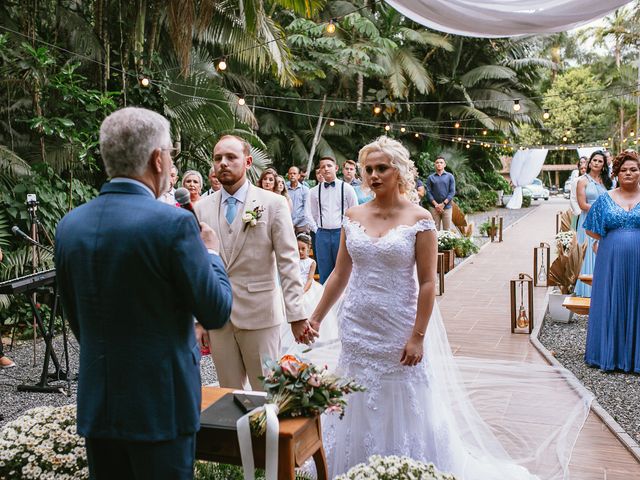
(302, 332)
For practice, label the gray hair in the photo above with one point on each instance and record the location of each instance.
(195, 173)
(128, 137)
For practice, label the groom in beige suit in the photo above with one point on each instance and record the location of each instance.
(257, 243)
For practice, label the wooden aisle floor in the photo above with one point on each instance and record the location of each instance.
(475, 308)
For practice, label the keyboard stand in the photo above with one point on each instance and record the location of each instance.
(49, 353)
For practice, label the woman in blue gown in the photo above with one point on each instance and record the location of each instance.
(613, 334)
(590, 186)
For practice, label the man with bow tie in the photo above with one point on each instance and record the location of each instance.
(327, 202)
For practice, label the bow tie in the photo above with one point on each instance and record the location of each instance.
(329, 184)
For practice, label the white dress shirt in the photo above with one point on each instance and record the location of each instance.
(240, 196)
(330, 198)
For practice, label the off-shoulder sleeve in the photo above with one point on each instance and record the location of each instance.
(424, 225)
(596, 216)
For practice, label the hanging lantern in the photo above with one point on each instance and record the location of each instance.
(541, 264)
(522, 304)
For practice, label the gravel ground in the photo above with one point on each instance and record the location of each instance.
(13, 403)
(618, 393)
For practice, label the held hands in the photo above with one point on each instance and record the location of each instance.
(413, 351)
(209, 237)
(303, 332)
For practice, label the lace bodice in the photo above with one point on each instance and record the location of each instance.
(380, 303)
(305, 266)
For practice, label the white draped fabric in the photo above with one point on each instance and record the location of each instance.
(504, 18)
(525, 167)
(587, 151)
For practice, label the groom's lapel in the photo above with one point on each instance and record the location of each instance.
(250, 203)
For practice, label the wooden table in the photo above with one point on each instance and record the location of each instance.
(588, 279)
(300, 439)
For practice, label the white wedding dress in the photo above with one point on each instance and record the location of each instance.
(423, 412)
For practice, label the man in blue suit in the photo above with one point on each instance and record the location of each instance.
(133, 273)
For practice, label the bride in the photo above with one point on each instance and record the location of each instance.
(393, 341)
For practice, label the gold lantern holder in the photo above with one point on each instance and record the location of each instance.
(440, 273)
(541, 264)
(521, 308)
(497, 222)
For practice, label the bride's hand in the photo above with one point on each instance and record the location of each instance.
(315, 323)
(413, 352)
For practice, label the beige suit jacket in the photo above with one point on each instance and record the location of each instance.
(260, 253)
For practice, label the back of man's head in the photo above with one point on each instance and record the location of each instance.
(128, 137)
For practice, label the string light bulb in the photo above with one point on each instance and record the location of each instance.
(241, 101)
(484, 132)
(468, 146)
(459, 139)
(145, 82)
(403, 129)
(222, 64)
(632, 133)
(387, 127)
(564, 138)
(456, 125)
(377, 109)
(332, 123)
(331, 27)
(516, 105)
(417, 135)
(546, 114)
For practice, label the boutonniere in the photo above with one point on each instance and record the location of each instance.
(251, 217)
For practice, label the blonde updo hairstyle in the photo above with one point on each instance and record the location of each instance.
(400, 160)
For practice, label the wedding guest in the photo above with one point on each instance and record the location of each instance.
(193, 182)
(349, 173)
(169, 197)
(299, 195)
(132, 275)
(281, 189)
(213, 182)
(613, 332)
(327, 202)
(319, 177)
(267, 180)
(594, 183)
(441, 188)
(573, 195)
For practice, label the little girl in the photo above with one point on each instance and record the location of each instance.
(312, 294)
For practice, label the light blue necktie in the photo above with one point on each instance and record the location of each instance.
(232, 209)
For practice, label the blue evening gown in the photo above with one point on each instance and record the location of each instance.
(613, 333)
(593, 190)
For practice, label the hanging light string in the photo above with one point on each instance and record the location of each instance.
(421, 133)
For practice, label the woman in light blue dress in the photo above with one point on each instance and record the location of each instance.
(593, 184)
(613, 333)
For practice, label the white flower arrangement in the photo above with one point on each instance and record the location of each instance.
(447, 240)
(394, 468)
(251, 217)
(43, 444)
(563, 240)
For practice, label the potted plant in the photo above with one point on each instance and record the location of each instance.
(563, 273)
(447, 241)
(465, 246)
(487, 229)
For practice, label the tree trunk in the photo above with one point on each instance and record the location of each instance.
(316, 136)
(360, 91)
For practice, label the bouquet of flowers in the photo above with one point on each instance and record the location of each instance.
(563, 240)
(43, 443)
(302, 389)
(394, 468)
(447, 240)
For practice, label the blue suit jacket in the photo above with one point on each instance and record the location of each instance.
(133, 272)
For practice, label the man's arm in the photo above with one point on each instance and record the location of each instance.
(351, 197)
(287, 259)
(452, 190)
(200, 277)
(429, 186)
(313, 209)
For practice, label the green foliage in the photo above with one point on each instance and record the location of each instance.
(495, 181)
(465, 246)
(486, 228)
(526, 201)
(221, 471)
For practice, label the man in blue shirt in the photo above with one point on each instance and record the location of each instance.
(299, 195)
(441, 187)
